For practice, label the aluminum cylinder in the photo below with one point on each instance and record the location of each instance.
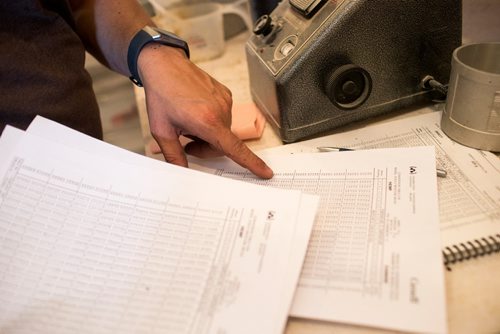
(471, 114)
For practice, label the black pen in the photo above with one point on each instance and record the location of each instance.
(439, 172)
(333, 149)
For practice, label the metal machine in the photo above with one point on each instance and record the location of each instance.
(315, 65)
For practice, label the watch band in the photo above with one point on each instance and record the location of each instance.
(150, 35)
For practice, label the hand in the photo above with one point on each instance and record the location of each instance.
(181, 99)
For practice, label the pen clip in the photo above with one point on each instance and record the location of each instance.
(332, 149)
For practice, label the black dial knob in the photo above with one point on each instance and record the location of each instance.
(263, 25)
(348, 86)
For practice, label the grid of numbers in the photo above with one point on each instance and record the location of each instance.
(82, 251)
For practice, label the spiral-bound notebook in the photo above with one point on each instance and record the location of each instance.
(471, 248)
(469, 196)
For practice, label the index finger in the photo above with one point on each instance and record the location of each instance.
(237, 151)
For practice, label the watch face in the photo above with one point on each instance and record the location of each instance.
(157, 32)
(168, 33)
(167, 38)
(153, 32)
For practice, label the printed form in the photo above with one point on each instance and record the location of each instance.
(469, 196)
(95, 245)
(374, 256)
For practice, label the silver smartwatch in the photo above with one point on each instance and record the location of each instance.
(145, 36)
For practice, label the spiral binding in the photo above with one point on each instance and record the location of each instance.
(471, 249)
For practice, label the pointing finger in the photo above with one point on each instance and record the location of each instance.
(235, 149)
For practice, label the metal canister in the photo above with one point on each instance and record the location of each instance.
(471, 114)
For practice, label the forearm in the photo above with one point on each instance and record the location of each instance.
(107, 27)
(181, 99)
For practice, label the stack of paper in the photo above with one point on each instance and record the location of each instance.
(374, 257)
(94, 239)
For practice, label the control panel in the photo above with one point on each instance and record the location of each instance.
(278, 36)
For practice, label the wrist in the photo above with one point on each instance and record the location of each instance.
(154, 55)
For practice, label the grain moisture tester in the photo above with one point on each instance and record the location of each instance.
(315, 65)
